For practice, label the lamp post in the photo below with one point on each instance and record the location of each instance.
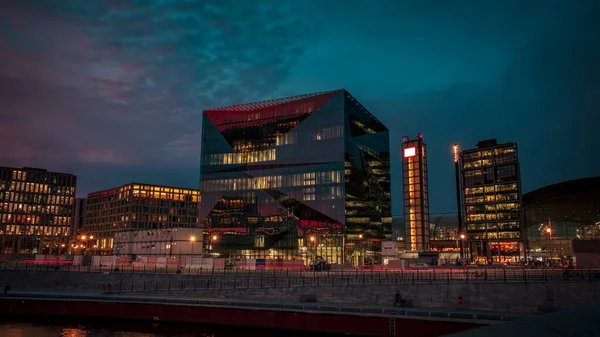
(455, 150)
(213, 240)
(192, 240)
(549, 231)
(462, 243)
(313, 241)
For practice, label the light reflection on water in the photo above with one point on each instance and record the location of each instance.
(76, 327)
(98, 328)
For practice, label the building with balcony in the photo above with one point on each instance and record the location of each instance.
(416, 194)
(491, 201)
(303, 177)
(36, 210)
(134, 207)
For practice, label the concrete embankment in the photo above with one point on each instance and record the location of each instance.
(505, 297)
(311, 317)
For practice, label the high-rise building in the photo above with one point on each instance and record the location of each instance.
(491, 199)
(304, 177)
(134, 207)
(79, 217)
(416, 195)
(36, 210)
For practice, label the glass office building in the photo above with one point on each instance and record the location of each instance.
(491, 191)
(36, 210)
(303, 177)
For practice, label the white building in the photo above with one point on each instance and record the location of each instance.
(167, 242)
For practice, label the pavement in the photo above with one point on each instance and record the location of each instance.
(438, 314)
(573, 322)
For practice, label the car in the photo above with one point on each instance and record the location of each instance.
(422, 265)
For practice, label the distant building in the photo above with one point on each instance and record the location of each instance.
(303, 177)
(416, 195)
(134, 207)
(491, 192)
(36, 210)
(557, 214)
(79, 217)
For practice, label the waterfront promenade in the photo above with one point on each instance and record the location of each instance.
(318, 317)
(511, 290)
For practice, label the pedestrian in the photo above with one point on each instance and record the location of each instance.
(6, 287)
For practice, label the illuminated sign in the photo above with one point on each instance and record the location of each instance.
(410, 152)
(97, 194)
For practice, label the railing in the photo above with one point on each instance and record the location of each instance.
(293, 277)
(364, 278)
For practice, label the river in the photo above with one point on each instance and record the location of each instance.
(74, 327)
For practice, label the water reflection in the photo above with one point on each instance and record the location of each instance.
(74, 327)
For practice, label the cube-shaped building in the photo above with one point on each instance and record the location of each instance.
(305, 177)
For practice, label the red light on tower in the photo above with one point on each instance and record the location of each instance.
(410, 152)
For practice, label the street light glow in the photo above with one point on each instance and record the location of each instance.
(192, 238)
(214, 238)
(312, 238)
(360, 236)
(83, 237)
(462, 236)
(549, 230)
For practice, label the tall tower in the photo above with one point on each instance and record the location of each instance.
(491, 192)
(416, 196)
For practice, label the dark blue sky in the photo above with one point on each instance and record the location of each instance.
(113, 90)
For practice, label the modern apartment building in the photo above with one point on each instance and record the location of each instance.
(303, 177)
(491, 199)
(416, 194)
(134, 207)
(36, 210)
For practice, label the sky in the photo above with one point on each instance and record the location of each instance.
(113, 91)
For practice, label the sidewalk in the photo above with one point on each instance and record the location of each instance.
(417, 313)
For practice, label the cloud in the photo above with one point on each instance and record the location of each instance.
(109, 82)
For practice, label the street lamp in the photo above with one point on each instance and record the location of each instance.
(462, 240)
(192, 240)
(456, 157)
(549, 231)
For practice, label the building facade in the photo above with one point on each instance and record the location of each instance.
(36, 210)
(491, 201)
(78, 217)
(416, 194)
(134, 207)
(296, 178)
(557, 214)
(163, 242)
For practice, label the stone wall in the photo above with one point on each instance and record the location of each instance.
(506, 297)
